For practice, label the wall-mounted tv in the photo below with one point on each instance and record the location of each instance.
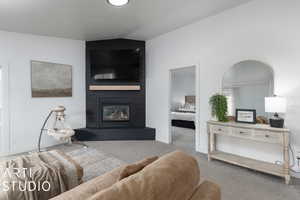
(115, 65)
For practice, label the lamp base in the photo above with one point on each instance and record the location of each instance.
(277, 122)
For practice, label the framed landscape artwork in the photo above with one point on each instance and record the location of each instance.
(51, 79)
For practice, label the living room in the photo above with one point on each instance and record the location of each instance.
(90, 83)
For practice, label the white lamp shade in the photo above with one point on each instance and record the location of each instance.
(275, 104)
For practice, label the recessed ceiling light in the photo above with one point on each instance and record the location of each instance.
(118, 2)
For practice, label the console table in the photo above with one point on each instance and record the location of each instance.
(257, 132)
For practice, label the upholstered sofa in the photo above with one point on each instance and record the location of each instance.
(175, 176)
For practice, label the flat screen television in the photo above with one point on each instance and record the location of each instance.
(115, 65)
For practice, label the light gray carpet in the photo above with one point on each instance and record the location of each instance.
(183, 137)
(237, 183)
(94, 162)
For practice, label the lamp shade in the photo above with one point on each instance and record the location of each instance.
(275, 104)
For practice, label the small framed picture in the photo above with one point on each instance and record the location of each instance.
(245, 116)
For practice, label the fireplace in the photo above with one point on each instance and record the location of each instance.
(115, 109)
(116, 113)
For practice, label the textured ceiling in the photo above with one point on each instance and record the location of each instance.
(96, 19)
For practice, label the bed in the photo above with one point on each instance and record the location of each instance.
(184, 117)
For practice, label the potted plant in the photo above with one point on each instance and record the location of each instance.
(219, 107)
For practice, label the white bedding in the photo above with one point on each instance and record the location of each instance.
(186, 116)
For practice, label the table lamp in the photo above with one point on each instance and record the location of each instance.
(275, 105)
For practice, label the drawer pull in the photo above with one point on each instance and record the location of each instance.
(219, 129)
(267, 136)
(241, 132)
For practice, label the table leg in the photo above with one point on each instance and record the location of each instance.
(209, 142)
(286, 158)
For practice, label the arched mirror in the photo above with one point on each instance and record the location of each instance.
(246, 84)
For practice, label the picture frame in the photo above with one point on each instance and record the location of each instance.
(51, 79)
(247, 116)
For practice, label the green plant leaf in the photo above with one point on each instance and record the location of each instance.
(219, 107)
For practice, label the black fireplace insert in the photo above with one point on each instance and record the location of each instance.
(115, 112)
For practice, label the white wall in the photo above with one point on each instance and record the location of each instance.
(2, 144)
(264, 30)
(26, 114)
(183, 84)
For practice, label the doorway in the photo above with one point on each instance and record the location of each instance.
(183, 126)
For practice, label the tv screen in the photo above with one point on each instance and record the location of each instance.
(121, 65)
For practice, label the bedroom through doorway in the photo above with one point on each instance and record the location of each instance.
(183, 107)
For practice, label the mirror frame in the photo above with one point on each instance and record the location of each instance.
(252, 60)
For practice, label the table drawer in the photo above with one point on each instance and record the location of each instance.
(219, 129)
(242, 132)
(267, 136)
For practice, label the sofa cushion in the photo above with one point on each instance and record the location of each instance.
(88, 189)
(174, 176)
(136, 167)
(207, 191)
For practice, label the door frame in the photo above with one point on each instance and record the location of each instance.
(197, 96)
